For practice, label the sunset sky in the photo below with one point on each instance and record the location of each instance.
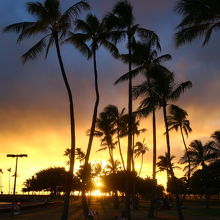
(34, 117)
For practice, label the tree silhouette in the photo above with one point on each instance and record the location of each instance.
(94, 33)
(200, 155)
(177, 121)
(122, 19)
(54, 24)
(140, 149)
(165, 90)
(199, 18)
(147, 61)
(163, 165)
(119, 124)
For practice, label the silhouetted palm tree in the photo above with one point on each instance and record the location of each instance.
(118, 122)
(177, 120)
(147, 61)
(122, 19)
(163, 165)
(200, 155)
(199, 18)
(140, 149)
(166, 89)
(105, 130)
(216, 137)
(78, 152)
(95, 34)
(113, 166)
(54, 24)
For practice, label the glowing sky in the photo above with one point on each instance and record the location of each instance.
(33, 102)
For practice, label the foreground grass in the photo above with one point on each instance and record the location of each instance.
(194, 210)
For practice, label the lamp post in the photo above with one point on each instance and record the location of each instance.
(16, 168)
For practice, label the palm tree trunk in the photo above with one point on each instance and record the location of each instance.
(186, 149)
(141, 164)
(73, 138)
(178, 205)
(204, 168)
(151, 213)
(189, 172)
(120, 151)
(129, 150)
(91, 136)
(132, 156)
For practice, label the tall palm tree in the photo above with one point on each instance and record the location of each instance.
(54, 24)
(177, 120)
(94, 33)
(200, 155)
(199, 18)
(122, 19)
(147, 61)
(165, 89)
(140, 149)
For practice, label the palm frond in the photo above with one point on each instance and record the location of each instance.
(180, 89)
(75, 9)
(133, 73)
(188, 34)
(32, 53)
(18, 27)
(78, 40)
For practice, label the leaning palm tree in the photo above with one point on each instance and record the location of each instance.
(177, 120)
(122, 19)
(140, 149)
(165, 90)
(200, 156)
(199, 18)
(94, 33)
(54, 24)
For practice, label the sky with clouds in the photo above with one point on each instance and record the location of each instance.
(33, 101)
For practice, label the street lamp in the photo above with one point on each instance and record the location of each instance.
(16, 167)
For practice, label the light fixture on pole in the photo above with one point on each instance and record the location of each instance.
(16, 168)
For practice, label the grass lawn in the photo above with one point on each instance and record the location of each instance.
(194, 211)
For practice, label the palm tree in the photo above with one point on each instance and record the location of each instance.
(94, 33)
(140, 149)
(177, 120)
(78, 152)
(54, 24)
(113, 166)
(199, 18)
(165, 89)
(122, 19)
(118, 121)
(105, 130)
(163, 165)
(147, 60)
(200, 155)
(216, 137)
